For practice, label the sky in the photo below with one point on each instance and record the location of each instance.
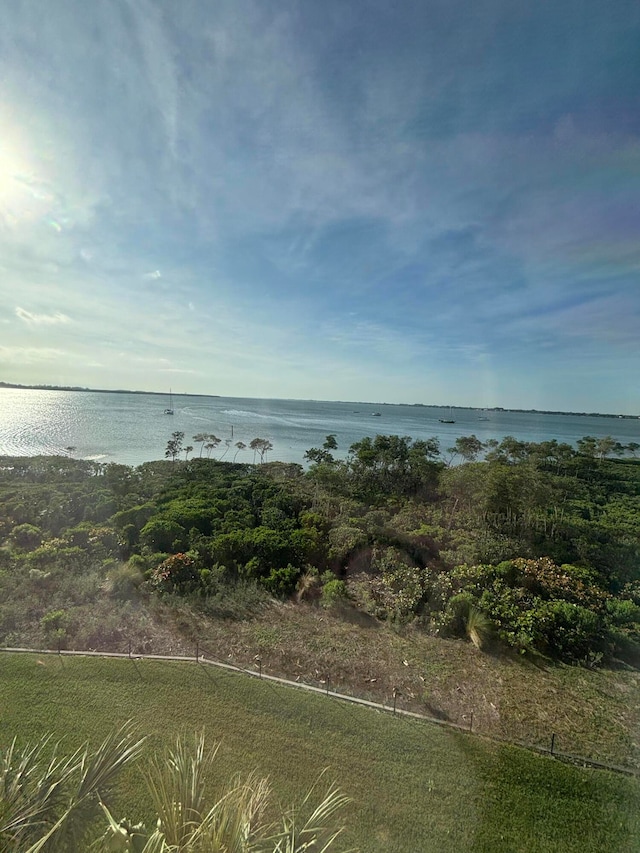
(434, 201)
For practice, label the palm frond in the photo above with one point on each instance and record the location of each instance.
(49, 804)
(236, 822)
(32, 791)
(177, 785)
(318, 833)
(128, 838)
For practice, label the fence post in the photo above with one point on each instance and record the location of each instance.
(471, 722)
(129, 649)
(258, 660)
(197, 650)
(328, 685)
(553, 741)
(395, 694)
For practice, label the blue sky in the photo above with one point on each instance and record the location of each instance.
(434, 201)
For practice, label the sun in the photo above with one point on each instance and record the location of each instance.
(24, 192)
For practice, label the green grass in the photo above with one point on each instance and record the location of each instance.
(593, 713)
(416, 787)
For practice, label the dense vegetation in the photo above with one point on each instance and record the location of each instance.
(536, 547)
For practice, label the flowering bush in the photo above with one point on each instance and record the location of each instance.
(178, 573)
(400, 588)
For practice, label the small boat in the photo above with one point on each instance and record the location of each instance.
(448, 420)
(169, 411)
(376, 415)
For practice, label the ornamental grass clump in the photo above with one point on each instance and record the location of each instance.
(238, 819)
(478, 627)
(52, 803)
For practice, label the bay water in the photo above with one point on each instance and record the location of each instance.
(132, 428)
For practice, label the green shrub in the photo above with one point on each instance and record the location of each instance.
(38, 577)
(334, 592)
(624, 647)
(623, 612)
(54, 553)
(569, 631)
(344, 541)
(536, 605)
(281, 582)
(55, 625)
(54, 620)
(26, 536)
(162, 534)
(404, 586)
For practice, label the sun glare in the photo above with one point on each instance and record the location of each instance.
(24, 194)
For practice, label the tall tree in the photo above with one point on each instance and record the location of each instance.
(261, 446)
(588, 445)
(467, 446)
(323, 455)
(266, 448)
(201, 438)
(509, 450)
(604, 446)
(212, 442)
(174, 445)
(241, 446)
(319, 455)
(254, 444)
(330, 442)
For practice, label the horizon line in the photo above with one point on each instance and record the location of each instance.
(78, 388)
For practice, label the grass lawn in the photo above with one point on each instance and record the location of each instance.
(415, 786)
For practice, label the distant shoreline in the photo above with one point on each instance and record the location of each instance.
(498, 409)
(18, 387)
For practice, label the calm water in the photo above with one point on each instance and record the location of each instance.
(132, 428)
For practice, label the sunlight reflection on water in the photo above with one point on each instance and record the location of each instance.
(132, 428)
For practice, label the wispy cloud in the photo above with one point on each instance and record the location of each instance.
(308, 200)
(41, 319)
(29, 355)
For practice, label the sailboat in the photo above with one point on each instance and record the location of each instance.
(169, 411)
(449, 420)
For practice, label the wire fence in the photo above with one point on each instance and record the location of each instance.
(549, 745)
